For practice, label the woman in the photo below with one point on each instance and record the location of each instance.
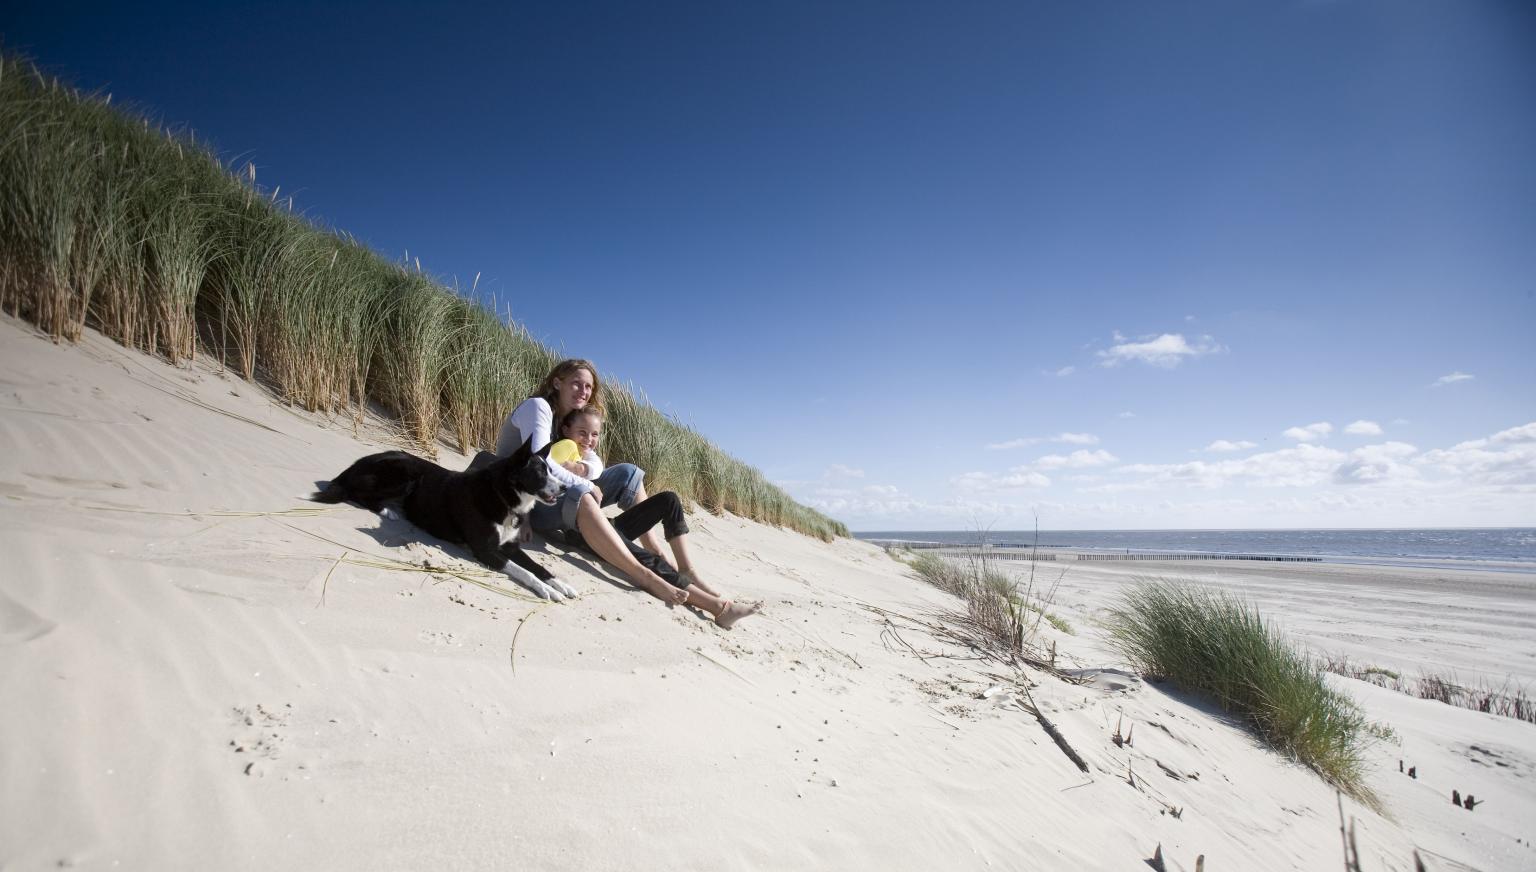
(573, 384)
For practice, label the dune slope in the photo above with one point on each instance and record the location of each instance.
(201, 670)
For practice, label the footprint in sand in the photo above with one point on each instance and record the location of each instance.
(260, 736)
(439, 637)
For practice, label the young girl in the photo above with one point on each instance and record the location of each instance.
(577, 452)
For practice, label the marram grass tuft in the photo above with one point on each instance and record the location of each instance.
(1213, 643)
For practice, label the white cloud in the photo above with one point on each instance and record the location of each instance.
(1507, 458)
(1515, 435)
(1451, 379)
(1064, 438)
(1023, 477)
(839, 471)
(1079, 459)
(1032, 475)
(1302, 466)
(1505, 462)
(1377, 464)
(1363, 428)
(1309, 433)
(1167, 350)
(1020, 477)
(1127, 414)
(1066, 371)
(1223, 446)
(887, 503)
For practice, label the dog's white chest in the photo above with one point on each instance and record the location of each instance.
(507, 530)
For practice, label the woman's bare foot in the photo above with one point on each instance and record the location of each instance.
(734, 612)
(687, 578)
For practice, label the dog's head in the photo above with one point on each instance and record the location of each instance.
(527, 473)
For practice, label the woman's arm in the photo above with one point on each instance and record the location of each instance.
(533, 421)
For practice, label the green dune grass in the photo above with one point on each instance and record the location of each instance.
(1212, 643)
(111, 222)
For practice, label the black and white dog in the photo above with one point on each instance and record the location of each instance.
(484, 508)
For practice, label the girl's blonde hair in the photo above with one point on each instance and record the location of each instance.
(563, 370)
(572, 415)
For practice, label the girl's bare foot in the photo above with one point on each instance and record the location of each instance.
(734, 612)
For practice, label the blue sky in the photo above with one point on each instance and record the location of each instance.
(931, 266)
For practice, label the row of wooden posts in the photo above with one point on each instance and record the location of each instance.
(1025, 553)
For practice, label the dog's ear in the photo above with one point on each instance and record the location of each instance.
(543, 453)
(523, 452)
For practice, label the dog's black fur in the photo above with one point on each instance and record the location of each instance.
(484, 508)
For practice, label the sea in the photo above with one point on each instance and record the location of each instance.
(1507, 548)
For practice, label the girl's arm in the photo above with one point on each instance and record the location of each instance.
(593, 463)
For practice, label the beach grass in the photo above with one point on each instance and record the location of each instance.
(1215, 644)
(1507, 699)
(1004, 612)
(110, 221)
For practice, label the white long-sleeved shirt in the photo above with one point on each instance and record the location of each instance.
(594, 464)
(533, 420)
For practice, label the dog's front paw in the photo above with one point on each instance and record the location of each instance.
(561, 586)
(536, 587)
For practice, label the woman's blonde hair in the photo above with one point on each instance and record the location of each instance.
(563, 370)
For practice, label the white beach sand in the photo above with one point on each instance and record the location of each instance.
(189, 683)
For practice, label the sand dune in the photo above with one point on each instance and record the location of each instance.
(202, 671)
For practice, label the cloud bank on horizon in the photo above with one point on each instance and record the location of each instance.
(1312, 474)
(1315, 485)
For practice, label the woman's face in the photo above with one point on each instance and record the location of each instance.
(575, 390)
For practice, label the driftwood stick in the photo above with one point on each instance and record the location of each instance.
(1061, 741)
(1055, 734)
